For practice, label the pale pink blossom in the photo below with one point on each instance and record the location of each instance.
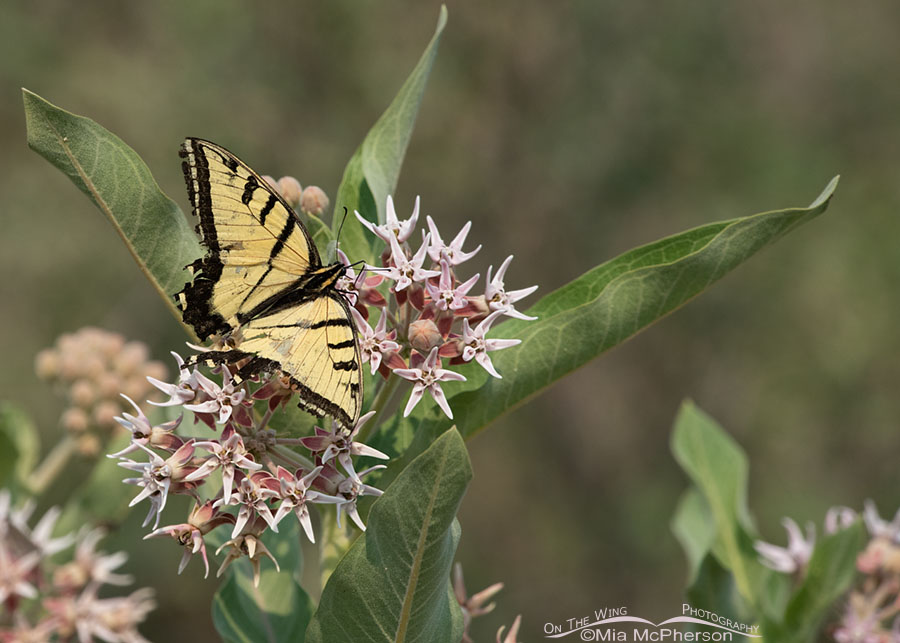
(428, 377)
(498, 298)
(452, 252)
(392, 227)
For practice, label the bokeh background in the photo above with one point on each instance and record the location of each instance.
(568, 132)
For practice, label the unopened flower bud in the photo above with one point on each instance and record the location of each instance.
(314, 201)
(131, 358)
(105, 413)
(156, 370)
(424, 335)
(108, 386)
(271, 181)
(75, 420)
(135, 387)
(290, 189)
(46, 364)
(83, 393)
(88, 445)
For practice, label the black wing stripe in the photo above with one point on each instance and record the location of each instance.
(337, 321)
(283, 236)
(249, 188)
(270, 203)
(345, 344)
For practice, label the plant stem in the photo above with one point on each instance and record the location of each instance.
(381, 399)
(290, 458)
(51, 466)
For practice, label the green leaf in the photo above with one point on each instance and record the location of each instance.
(598, 311)
(831, 570)
(372, 173)
(115, 178)
(693, 527)
(718, 468)
(279, 609)
(713, 589)
(394, 582)
(19, 446)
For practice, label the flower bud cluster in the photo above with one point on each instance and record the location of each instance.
(310, 200)
(46, 597)
(92, 367)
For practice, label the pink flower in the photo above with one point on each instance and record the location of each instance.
(248, 545)
(253, 493)
(339, 444)
(392, 228)
(795, 556)
(405, 271)
(203, 519)
(144, 434)
(428, 377)
(476, 346)
(227, 453)
(359, 288)
(181, 392)
(295, 493)
(498, 299)
(223, 400)
(160, 476)
(445, 295)
(374, 343)
(452, 253)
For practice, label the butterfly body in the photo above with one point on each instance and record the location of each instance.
(262, 282)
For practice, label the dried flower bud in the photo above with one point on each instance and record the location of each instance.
(75, 420)
(314, 201)
(46, 364)
(424, 335)
(290, 189)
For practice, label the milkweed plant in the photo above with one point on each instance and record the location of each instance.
(445, 352)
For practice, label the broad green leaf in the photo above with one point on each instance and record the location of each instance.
(279, 609)
(115, 178)
(394, 582)
(19, 446)
(718, 468)
(598, 311)
(372, 173)
(693, 527)
(831, 570)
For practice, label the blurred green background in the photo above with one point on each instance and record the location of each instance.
(568, 132)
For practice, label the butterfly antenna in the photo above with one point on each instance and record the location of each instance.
(337, 242)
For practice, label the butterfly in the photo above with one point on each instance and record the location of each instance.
(263, 286)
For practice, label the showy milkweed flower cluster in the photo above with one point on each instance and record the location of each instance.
(425, 315)
(872, 609)
(44, 597)
(432, 314)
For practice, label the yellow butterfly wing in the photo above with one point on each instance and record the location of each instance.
(317, 339)
(262, 275)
